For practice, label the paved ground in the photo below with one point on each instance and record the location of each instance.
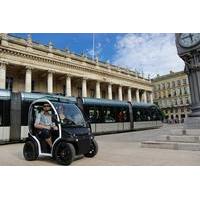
(116, 150)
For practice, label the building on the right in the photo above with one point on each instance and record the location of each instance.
(172, 94)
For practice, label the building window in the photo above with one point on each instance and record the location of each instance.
(64, 90)
(163, 86)
(103, 94)
(182, 109)
(168, 85)
(9, 83)
(185, 90)
(181, 101)
(184, 81)
(173, 83)
(158, 87)
(169, 93)
(174, 93)
(32, 85)
(113, 95)
(92, 93)
(178, 82)
(79, 92)
(180, 92)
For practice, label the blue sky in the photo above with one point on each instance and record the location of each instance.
(149, 53)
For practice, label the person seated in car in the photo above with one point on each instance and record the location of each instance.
(44, 123)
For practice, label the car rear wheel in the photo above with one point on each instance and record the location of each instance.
(30, 151)
(93, 149)
(64, 153)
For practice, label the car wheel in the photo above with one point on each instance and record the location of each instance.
(93, 149)
(64, 153)
(30, 151)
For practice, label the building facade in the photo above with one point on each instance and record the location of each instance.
(172, 95)
(32, 67)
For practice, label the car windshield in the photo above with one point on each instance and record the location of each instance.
(70, 115)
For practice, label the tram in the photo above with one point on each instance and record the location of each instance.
(110, 116)
(105, 116)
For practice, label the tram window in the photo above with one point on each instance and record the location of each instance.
(1, 113)
(109, 114)
(155, 114)
(4, 113)
(93, 113)
(122, 114)
(141, 114)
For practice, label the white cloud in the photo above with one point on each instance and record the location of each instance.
(151, 53)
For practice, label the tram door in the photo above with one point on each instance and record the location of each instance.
(15, 117)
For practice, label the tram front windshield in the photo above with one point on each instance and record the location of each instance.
(70, 115)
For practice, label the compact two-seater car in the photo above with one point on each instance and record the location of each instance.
(72, 138)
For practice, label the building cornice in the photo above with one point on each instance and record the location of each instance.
(19, 48)
(168, 76)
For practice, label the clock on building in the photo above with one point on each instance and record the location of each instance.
(189, 39)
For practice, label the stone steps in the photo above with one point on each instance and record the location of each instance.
(171, 145)
(179, 138)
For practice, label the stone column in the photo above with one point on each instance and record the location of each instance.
(120, 93)
(68, 86)
(129, 94)
(50, 82)
(145, 96)
(109, 91)
(2, 76)
(28, 79)
(137, 95)
(84, 87)
(151, 97)
(98, 94)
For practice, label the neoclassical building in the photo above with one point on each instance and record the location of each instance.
(172, 94)
(32, 67)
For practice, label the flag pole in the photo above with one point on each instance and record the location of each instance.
(93, 44)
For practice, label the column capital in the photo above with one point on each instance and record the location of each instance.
(68, 75)
(51, 72)
(85, 78)
(3, 64)
(29, 67)
(110, 83)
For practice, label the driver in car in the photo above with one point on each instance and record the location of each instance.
(44, 123)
